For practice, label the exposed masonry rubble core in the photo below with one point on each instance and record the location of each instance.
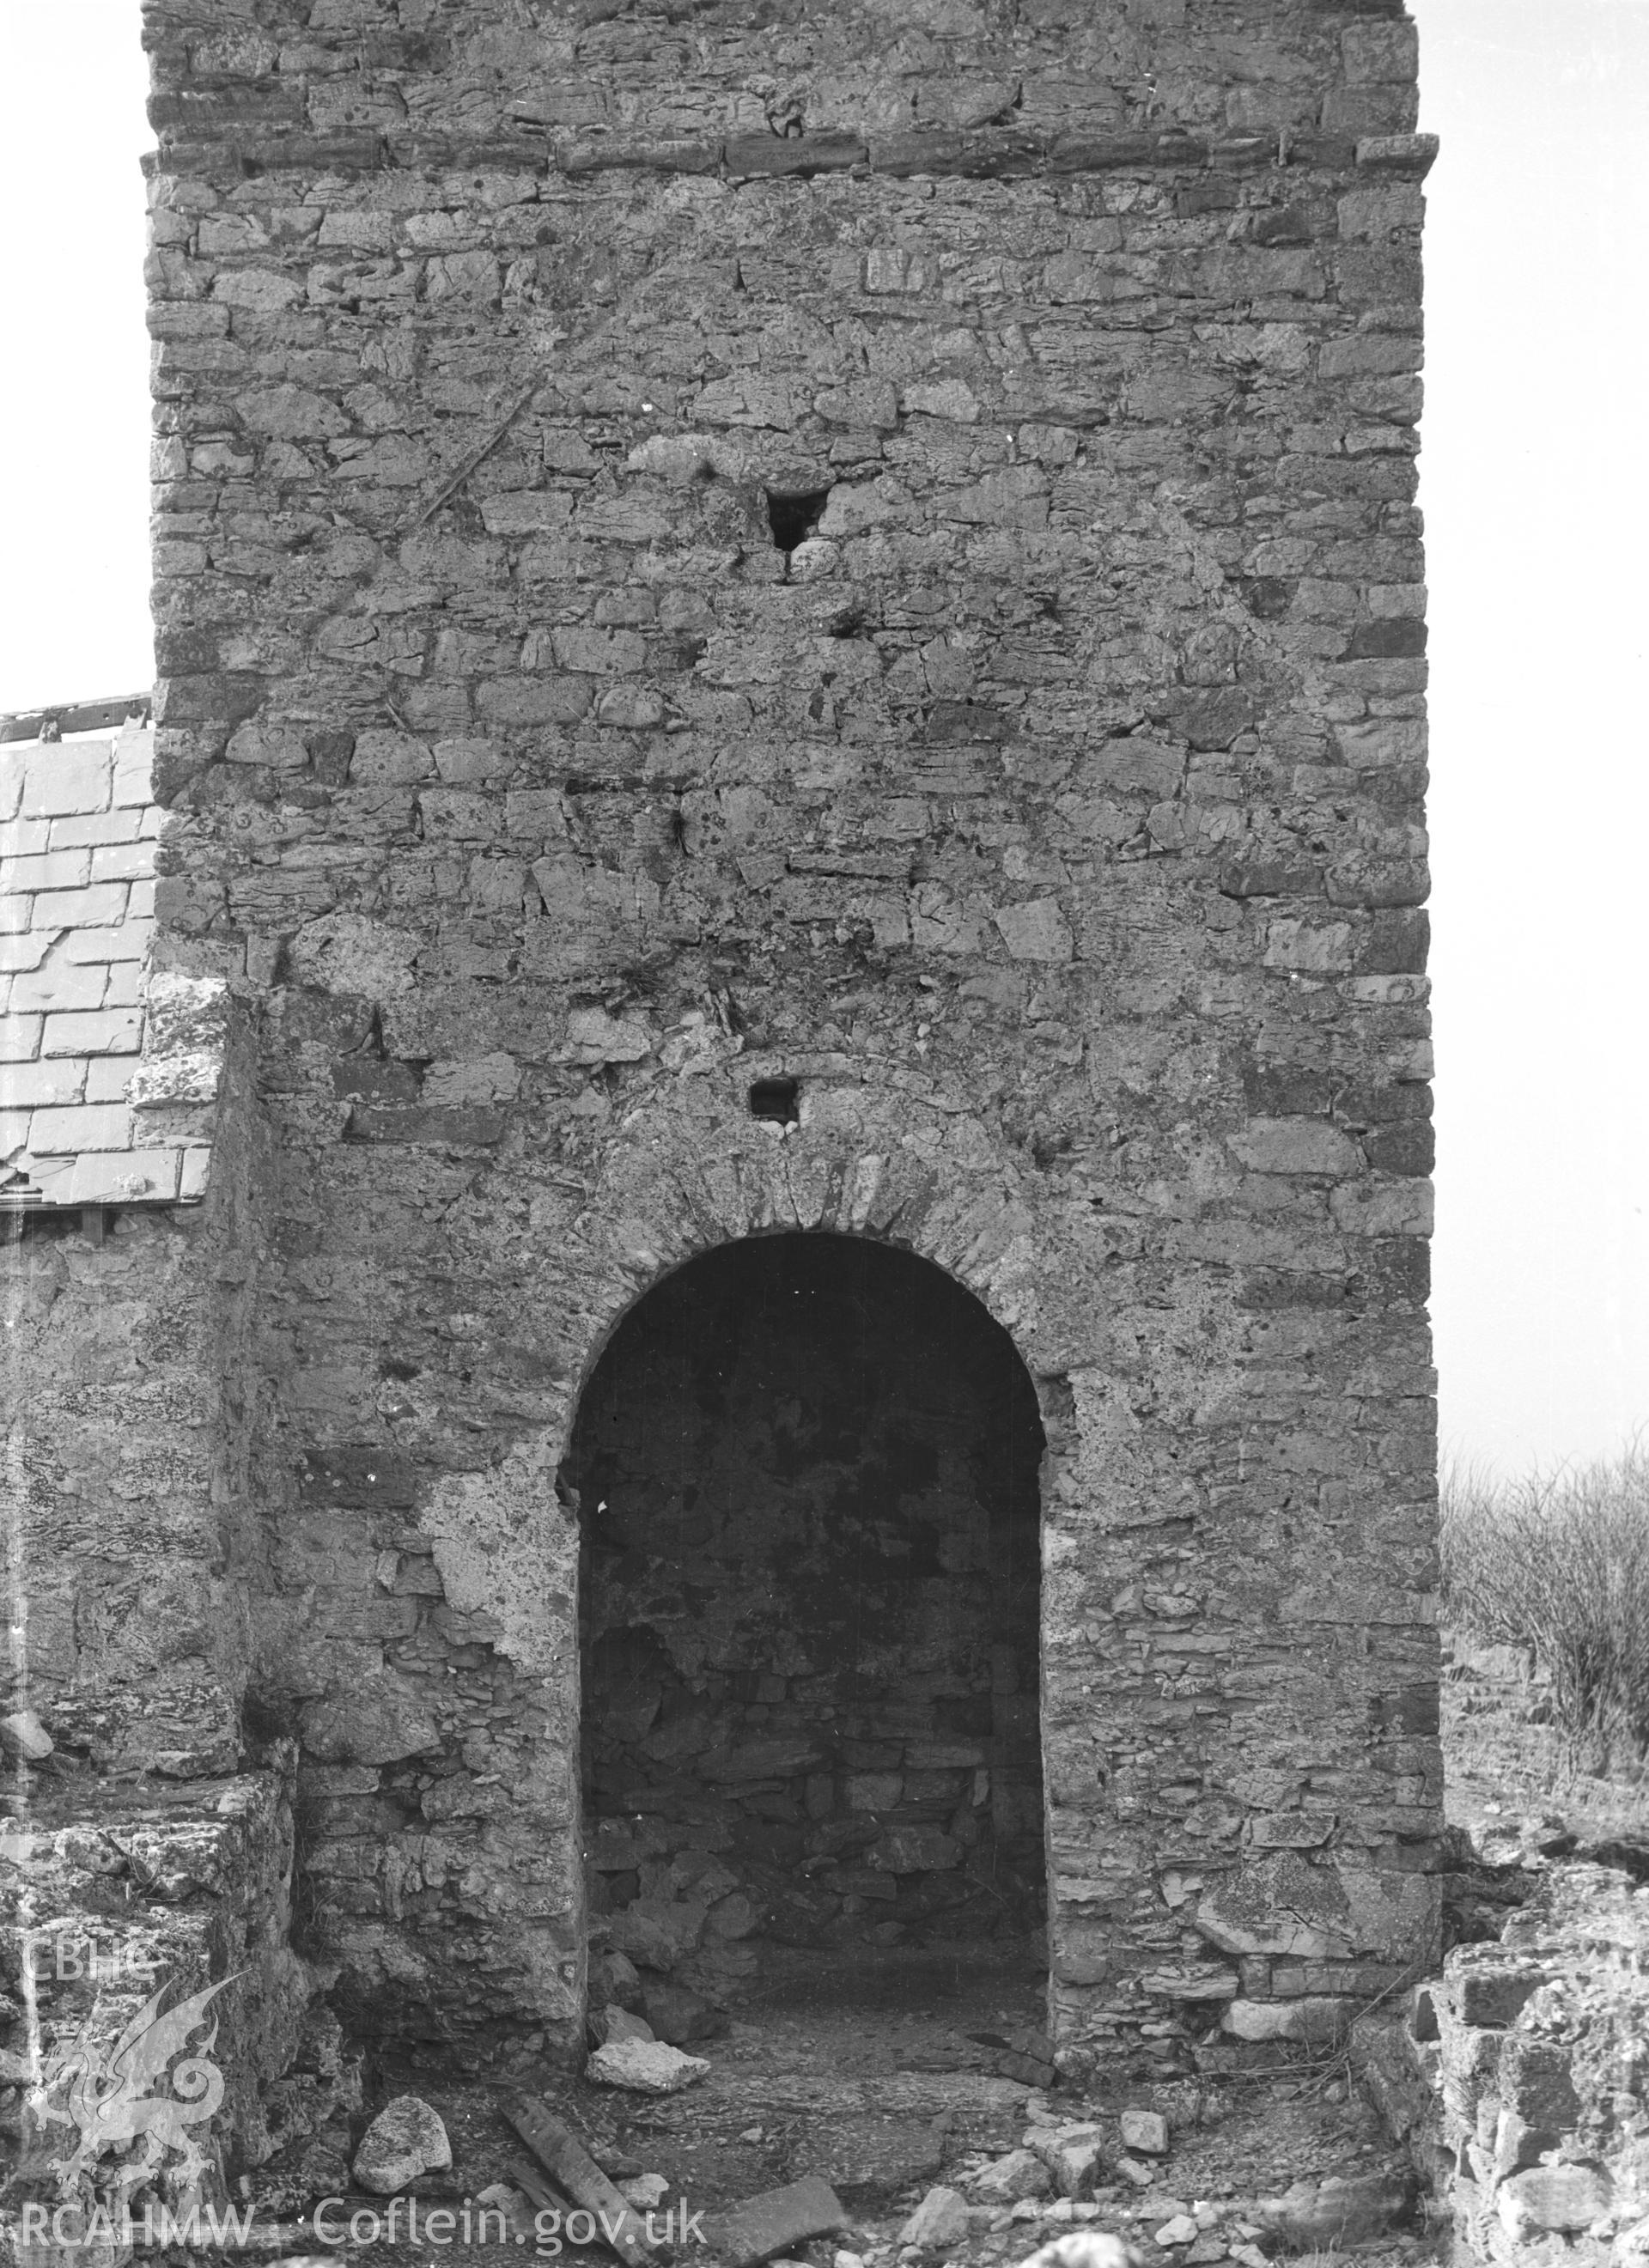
(184, 1886)
(1050, 812)
(1516, 2077)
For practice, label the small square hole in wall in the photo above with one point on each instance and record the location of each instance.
(776, 1099)
(794, 515)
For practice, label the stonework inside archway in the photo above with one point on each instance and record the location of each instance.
(865, 557)
(807, 1468)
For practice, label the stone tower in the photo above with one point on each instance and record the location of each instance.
(790, 646)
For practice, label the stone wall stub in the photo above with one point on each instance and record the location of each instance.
(126, 1140)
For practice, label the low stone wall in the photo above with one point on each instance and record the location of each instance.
(158, 2032)
(1520, 2079)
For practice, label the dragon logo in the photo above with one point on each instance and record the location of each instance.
(113, 2095)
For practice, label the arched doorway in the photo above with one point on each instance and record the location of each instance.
(807, 1473)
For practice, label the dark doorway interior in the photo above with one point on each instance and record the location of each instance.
(807, 1472)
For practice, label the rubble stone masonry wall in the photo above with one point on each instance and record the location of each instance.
(871, 545)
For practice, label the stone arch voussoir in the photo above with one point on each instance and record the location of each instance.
(894, 1169)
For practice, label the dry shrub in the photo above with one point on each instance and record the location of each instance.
(1560, 1562)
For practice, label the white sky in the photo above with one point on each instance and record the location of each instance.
(1536, 492)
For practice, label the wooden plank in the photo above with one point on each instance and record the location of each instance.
(560, 2152)
(540, 2194)
(73, 716)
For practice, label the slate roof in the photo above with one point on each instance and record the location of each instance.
(84, 1118)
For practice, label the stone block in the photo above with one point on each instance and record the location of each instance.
(280, 748)
(1368, 354)
(461, 762)
(1315, 2018)
(376, 1724)
(526, 511)
(944, 1756)
(1564, 2198)
(762, 2226)
(1005, 2180)
(950, 398)
(734, 1917)
(1537, 2082)
(891, 268)
(535, 701)
(1340, 2211)
(1145, 2130)
(1414, 154)
(593, 1036)
(1074, 2162)
(749, 154)
(645, 2066)
(359, 231)
(1381, 212)
(871, 1791)
(1291, 1831)
(679, 2016)
(939, 2223)
(1296, 1145)
(1037, 931)
(658, 1932)
(913, 1850)
(1016, 498)
(407, 2139)
(23, 1735)
(1377, 53)
(867, 402)
(1488, 1988)
(1193, 1981)
(761, 1759)
(1401, 1207)
(1371, 111)
(1324, 948)
(630, 708)
(290, 413)
(611, 2023)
